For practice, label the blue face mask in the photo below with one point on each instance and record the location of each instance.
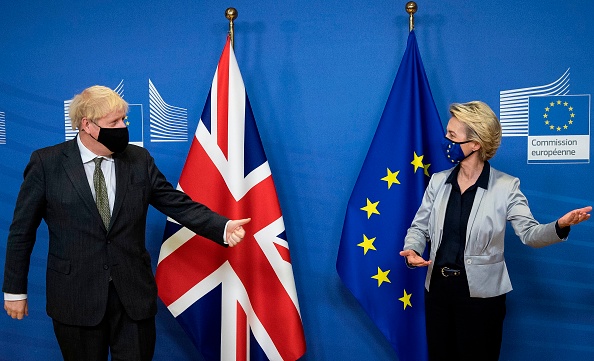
(453, 150)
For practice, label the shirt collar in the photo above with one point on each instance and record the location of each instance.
(483, 179)
(453, 174)
(86, 155)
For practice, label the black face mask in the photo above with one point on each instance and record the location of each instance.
(114, 139)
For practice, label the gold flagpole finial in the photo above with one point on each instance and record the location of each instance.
(231, 14)
(411, 9)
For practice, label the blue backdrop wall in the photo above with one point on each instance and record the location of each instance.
(318, 74)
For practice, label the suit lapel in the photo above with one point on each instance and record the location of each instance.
(478, 199)
(122, 169)
(75, 170)
(441, 211)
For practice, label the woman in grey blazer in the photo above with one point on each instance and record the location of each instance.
(463, 215)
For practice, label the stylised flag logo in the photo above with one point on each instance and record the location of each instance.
(513, 104)
(69, 133)
(2, 128)
(235, 303)
(168, 123)
(404, 152)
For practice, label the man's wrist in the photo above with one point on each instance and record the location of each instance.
(15, 297)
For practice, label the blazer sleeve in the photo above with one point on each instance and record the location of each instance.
(176, 204)
(29, 210)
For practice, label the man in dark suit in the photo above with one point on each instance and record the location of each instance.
(93, 192)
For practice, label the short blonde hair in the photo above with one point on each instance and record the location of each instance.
(94, 103)
(482, 126)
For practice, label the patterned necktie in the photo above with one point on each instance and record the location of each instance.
(101, 193)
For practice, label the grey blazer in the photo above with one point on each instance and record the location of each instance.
(83, 255)
(492, 208)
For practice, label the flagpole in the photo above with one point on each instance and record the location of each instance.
(411, 9)
(231, 14)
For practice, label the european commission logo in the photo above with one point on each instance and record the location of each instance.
(556, 124)
(559, 129)
(167, 123)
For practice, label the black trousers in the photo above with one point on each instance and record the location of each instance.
(117, 334)
(460, 327)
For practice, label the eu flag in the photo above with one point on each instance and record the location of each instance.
(134, 122)
(559, 115)
(405, 151)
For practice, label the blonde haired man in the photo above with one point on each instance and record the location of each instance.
(93, 193)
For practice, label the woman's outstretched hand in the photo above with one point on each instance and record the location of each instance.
(574, 217)
(414, 259)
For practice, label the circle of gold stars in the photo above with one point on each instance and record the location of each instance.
(549, 123)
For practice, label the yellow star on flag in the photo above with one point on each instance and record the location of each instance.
(370, 208)
(426, 166)
(367, 244)
(391, 177)
(381, 276)
(406, 299)
(417, 162)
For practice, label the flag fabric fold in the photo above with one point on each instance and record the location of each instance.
(234, 303)
(405, 151)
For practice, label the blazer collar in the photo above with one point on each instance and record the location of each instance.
(482, 181)
(73, 166)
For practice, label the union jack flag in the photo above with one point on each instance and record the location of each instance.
(234, 303)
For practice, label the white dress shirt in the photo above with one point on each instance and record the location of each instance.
(107, 167)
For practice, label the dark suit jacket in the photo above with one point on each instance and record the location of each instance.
(83, 255)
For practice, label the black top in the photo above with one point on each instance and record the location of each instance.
(451, 250)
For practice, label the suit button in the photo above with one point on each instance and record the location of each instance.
(105, 267)
(109, 241)
(468, 261)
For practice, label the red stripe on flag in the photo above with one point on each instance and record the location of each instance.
(241, 343)
(183, 262)
(223, 101)
(284, 252)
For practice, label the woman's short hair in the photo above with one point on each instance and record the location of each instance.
(482, 126)
(94, 103)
